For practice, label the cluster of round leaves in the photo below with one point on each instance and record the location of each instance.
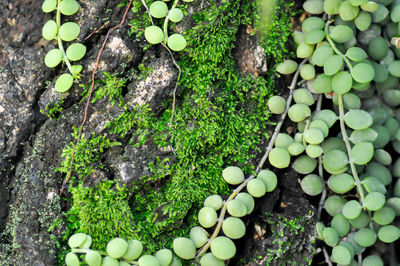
(351, 63)
(69, 31)
(121, 252)
(155, 34)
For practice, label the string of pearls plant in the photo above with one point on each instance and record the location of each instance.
(69, 31)
(348, 61)
(155, 34)
(352, 64)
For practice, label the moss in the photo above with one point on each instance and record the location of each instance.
(102, 212)
(53, 110)
(86, 155)
(287, 242)
(220, 119)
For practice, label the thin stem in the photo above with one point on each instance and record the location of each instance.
(260, 165)
(327, 258)
(166, 23)
(90, 95)
(176, 84)
(283, 116)
(59, 41)
(348, 148)
(346, 60)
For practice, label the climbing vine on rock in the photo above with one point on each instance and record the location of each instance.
(68, 31)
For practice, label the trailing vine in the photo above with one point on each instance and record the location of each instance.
(351, 73)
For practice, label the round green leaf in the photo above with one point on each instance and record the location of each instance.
(348, 12)
(374, 201)
(304, 164)
(175, 14)
(207, 217)
(367, 134)
(68, 7)
(64, 82)
(372, 184)
(341, 183)
(247, 201)
(154, 34)
(321, 125)
(307, 72)
(394, 68)
(326, 115)
(363, 73)
(332, 65)
(388, 233)
(158, 9)
(237, 208)
(372, 260)
(314, 36)
(314, 150)
(361, 221)
(341, 255)
(164, 256)
(295, 148)
(362, 152)
(184, 248)
(69, 31)
(352, 209)
(384, 216)
(298, 112)
(287, 67)
(233, 175)
(320, 55)
(71, 259)
(87, 243)
(358, 119)
(283, 140)
(334, 204)
(146, 260)
(279, 158)
(379, 171)
(335, 159)
(340, 224)
(366, 237)
(313, 136)
(176, 42)
(363, 21)
(312, 23)
(256, 188)
(49, 6)
(269, 178)
(331, 7)
(330, 236)
(213, 201)
(53, 58)
(370, 6)
(93, 258)
(341, 33)
(49, 30)
(223, 248)
(312, 184)
(304, 50)
(76, 69)
(277, 104)
(378, 48)
(342, 82)
(117, 247)
(356, 54)
(322, 84)
(135, 248)
(76, 51)
(233, 228)
(209, 259)
(199, 236)
(76, 240)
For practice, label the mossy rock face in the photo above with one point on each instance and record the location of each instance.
(35, 147)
